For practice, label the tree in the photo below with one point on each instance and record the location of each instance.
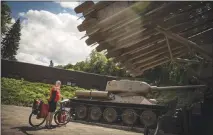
(68, 66)
(99, 64)
(51, 64)
(10, 44)
(5, 17)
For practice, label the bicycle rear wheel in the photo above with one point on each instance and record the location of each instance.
(34, 121)
(64, 121)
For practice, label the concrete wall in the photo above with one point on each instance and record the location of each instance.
(37, 73)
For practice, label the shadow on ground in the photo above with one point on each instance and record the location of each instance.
(120, 127)
(26, 129)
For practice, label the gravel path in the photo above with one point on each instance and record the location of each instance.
(14, 121)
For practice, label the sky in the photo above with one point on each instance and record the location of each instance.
(49, 32)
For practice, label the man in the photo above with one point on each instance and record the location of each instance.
(52, 101)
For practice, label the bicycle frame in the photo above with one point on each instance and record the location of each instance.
(62, 104)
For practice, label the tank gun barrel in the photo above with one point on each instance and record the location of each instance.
(177, 87)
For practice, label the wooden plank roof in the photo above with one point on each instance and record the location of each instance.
(143, 35)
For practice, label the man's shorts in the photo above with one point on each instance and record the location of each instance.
(52, 106)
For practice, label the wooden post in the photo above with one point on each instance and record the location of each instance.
(170, 51)
(185, 42)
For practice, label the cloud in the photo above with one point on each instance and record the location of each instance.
(46, 36)
(70, 5)
(21, 14)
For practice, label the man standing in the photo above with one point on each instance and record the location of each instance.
(52, 101)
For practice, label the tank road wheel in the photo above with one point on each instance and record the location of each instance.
(81, 111)
(95, 113)
(129, 116)
(148, 118)
(110, 114)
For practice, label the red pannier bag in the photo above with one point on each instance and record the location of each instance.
(61, 117)
(44, 110)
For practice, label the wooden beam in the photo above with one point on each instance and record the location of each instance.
(150, 15)
(135, 47)
(150, 46)
(171, 27)
(185, 42)
(129, 11)
(143, 53)
(143, 64)
(85, 24)
(143, 43)
(160, 63)
(187, 60)
(101, 48)
(132, 39)
(94, 8)
(84, 6)
(138, 71)
(170, 50)
(132, 17)
(156, 52)
(158, 55)
(145, 18)
(145, 50)
(117, 38)
(114, 54)
(117, 34)
(141, 69)
(155, 65)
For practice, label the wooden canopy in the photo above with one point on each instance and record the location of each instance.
(143, 35)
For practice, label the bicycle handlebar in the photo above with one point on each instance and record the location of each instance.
(64, 100)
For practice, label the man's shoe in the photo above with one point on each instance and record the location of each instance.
(47, 127)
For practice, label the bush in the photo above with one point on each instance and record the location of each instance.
(22, 93)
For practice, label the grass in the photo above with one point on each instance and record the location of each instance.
(22, 93)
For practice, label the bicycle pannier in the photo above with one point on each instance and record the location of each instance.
(44, 110)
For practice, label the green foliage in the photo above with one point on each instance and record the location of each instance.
(167, 74)
(140, 7)
(10, 44)
(59, 66)
(5, 17)
(97, 63)
(68, 66)
(21, 92)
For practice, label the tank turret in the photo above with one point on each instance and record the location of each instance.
(141, 87)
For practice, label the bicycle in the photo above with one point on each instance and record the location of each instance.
(61, 116)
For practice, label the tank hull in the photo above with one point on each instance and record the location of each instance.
(120, 108)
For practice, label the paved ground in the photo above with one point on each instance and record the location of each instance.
(14, 121)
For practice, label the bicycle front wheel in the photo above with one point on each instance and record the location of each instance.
(62, 117)
(34, 121)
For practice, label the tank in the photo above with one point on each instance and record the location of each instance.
(123, 102)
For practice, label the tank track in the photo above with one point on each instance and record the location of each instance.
(119, 108)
